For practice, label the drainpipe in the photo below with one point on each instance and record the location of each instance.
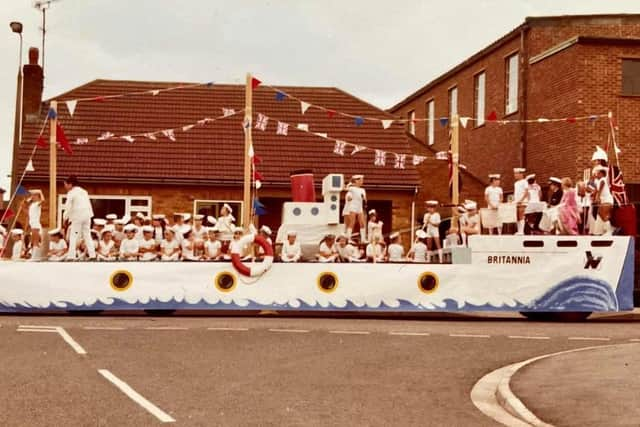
(524, 80)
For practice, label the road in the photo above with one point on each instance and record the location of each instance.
(264, 371)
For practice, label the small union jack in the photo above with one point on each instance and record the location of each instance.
(150, 135)
(400, 159)
(105, 136)
(82, 141)
(418, 159)
(226, 112)
(283, 128)
(381, 158)
(169, 133)
(261, 122)
(339, 148)
(617, 186)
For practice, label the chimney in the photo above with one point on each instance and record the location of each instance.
(32, 87)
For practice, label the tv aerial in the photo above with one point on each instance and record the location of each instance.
(43, 6)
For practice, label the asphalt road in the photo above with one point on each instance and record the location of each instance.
(269, 370)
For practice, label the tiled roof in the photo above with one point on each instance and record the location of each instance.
(213, 153)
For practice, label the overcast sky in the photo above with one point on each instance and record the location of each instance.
(378, 50)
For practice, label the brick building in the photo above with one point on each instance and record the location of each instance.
(203, 167)
(548, 67)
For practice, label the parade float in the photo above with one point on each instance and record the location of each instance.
(529, 274)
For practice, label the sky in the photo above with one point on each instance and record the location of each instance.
(378, 50)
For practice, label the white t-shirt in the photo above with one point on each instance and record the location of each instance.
(432, 221)
(375, 251)
(518, 189)
(534, 193)
(167, 248)
(291, 252)
(494, 195)
(128, 246)
(348, 253)
(225, 225)
(56, 246)
(158, 234)
(104, 250)
(199, 234)
(396, 252)
(148, 244)
(212, 248)
(324, 248)
(605, 191)
(420, 252)
(35, 209)
(188, 250)
(354, 200)
(374, 230)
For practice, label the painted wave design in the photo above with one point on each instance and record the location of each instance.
(577, 294)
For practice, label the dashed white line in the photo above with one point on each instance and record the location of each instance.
(410, 334)
(165, 328)
(293, 331)
(588, 339)
(525, 337)
(227, 329)
(36, 330)
(57, 329)
(137, 397)
(635, 340)
(74, 345)
(103, 328)
(469, 336)
(350, 332)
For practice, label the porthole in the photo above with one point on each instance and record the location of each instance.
(327, 282)
(121, 280)
(315, 211)
(297, 211)
(225, 281)
(428, 282)
(334, 198)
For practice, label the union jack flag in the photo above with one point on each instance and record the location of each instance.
(283, 128)
(169, 133)
(262, 121)
(226, 112)
(105, 136)
(150, 135)
(617, 186)
(381, 158)
(339, 148)
(400, 159)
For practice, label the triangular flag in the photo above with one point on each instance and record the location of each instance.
(255, 83)
(187, 128)
(258, 185)
(357, 149)
(571, 119)
(128, 138)
(155, 92)
(150, 135)
(464, 121)
(30, 167)
(386, 123)
(8, 214)
(81, 141)
(418, 159)
(303, 126)
(618, 150)
(258, 176)
(41, 142)
(169, 133)
(359, 121)
(493, 116)
(256, 160)
(258, 208)
(71, 106)
(321, 134)
(280, 96)
(105, 136)
(62, 140)
(21, 191)
(331, 113)
(304, 106)
(444, 121)
(52, 114)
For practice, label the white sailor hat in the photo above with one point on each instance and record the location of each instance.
(100, 221)
(119, 222)
(109, 227)
(147, 229)
(17, 232)
(146, 218)
(421, 234)
(211, 219)
(158, 216)
(198, 217)
(95, 233)
(461, 209)
(130, 228)
(169, 229)
(265, 229)
(431, 203)
(394, 235)
(356, 177)
(38, 192)
(111, 216)
(213, 229)
(373, 212)
(140, 215)
(186, 216)
(600, 154)
(227, 207)
(292, 233)
(55, 231)
(600, 168)
(555, 180)
(106, 230)
(519, 170)
(530, 176)
(494, 176)
(126, 219)
(470, 205)
(237, 229)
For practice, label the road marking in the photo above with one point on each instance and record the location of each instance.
(166, 328)
(410, 334)
(635, 340)
(525, 337)
(350, 332)
(103, 328)
(469, 336)
(137, 397)
(227, 329)
(60, 331)
(588, 339)
(298, 331)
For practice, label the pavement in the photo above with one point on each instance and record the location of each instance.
(269, 370)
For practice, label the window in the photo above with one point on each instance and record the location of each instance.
(431, 117)
(511, 85)
(212, 207)
(119, 205)
(478, 99)
(412, 122)
(453, 102)
(631, 76)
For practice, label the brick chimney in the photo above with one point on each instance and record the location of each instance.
(32, 87)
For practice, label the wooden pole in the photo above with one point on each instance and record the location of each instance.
(247, 206)
(53, 166)
(455, 159)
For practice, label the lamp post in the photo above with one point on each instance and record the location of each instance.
(16, 27)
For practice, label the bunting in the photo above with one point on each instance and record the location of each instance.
(339, 147)
(71, 106)
(29, 167)
(261, 122)
(303, 127)
(381, 158)
(400, 159)
(128, 138)
(386, 123)
(357, 149)
(169, 133)
(418, 159)
(227, 112)
(283, 128)
(62, 140)
(304, 106)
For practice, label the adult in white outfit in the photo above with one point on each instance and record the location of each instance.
(354, 206)
(78, 213)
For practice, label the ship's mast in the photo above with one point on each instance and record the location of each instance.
(248, 141)
(455, 160)
(53, 164)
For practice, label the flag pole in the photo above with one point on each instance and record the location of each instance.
(248, 114)
(53, 164)
(455, 159)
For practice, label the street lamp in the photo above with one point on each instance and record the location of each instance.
(16, 27)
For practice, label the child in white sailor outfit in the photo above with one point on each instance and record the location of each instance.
(604, 199)
(395, 251)
(130, 245)
(111, 218)
(493, 196)
(375, 251)
(57, 246)
(188, 247)
(106, 249)
(35, 210)
(226, 222)
(213, 246)
(418, 252)
(470, 223)
(327, 251)
(265, 232)
(291, 251)
(346, 251)
(158, 224)
(148, 248)
(519, 194)
(169, 247)
(17, 252)
(431, 224)
(355, 200)
(374, 226)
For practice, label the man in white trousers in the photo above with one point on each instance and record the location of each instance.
(78, 213)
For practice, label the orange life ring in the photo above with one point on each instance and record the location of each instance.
(258, 268)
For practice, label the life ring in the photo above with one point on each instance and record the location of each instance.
(257, 269)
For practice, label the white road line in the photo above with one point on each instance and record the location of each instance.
(57, 329)
(469, 336)
(103, 328)
(635, 340)
(165, 328)
(136, 397)
(350, 332)
(36, 330)
(294, 331)
(74, 345)
(227, 329)
(588, 339)
(524, 337)
(38, 326)
(410, 334)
